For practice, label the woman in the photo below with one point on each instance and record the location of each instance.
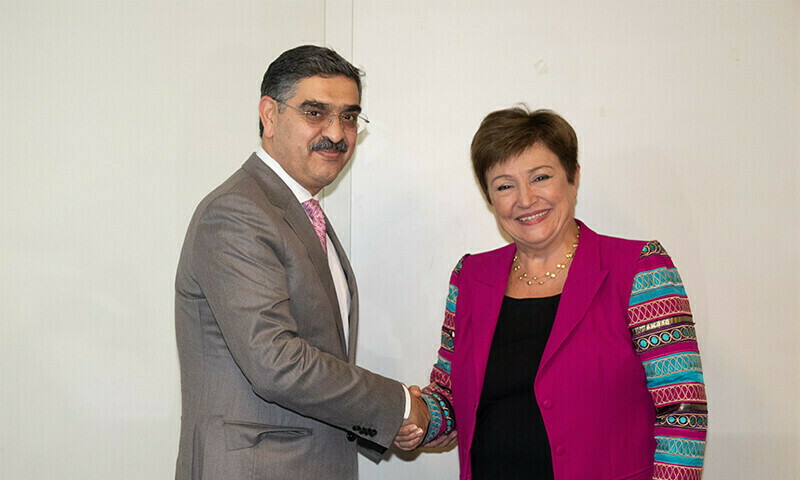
(566, 354)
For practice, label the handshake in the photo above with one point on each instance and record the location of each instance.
(413, 430)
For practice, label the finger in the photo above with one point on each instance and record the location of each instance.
(414, 390)
(405, 435)
(439, 442)
(410, 431)
(407, 429)
(408, 445)
(449, 442)
(453, 439)
(404, 445)
(444, 441)
(436, 443)
(406, 438)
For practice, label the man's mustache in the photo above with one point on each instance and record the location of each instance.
(327, 144)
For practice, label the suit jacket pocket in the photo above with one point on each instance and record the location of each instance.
(239, 435)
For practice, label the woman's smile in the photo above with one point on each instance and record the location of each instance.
(534, 216)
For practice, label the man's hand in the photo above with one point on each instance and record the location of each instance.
(412, 432)
(409, 434)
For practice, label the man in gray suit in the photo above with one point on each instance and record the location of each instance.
(266, 308)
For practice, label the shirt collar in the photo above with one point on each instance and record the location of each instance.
(299, 191)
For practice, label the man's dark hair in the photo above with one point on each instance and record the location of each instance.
(281, 78)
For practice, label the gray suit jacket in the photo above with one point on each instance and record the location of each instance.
(268, 391)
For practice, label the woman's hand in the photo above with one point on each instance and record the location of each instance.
(445, 441)
(409, 436)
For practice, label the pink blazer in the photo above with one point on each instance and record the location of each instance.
(590, 386)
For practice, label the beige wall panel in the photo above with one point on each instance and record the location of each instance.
(688, 115)
(117, 118)
(337, 197)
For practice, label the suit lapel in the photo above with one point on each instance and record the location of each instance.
(282, 197)
(351, 285)
(583, 281)
(297, 218)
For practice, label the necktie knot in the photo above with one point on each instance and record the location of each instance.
(317, 218)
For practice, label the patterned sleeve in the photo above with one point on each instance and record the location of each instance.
(664, 338)
(438, 395)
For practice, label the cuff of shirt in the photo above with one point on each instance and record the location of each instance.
(407, 411)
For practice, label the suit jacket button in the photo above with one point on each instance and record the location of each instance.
(560, 450)
(547, 404)
(372, 433)
(351, 437)
(356, 428)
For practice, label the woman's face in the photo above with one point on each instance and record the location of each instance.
(533, 201)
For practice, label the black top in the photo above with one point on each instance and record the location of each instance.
(510, 438)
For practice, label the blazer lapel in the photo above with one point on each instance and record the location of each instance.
(351, 285)
(583, 281)
(282, 197)
(485, 286)
(488, 286)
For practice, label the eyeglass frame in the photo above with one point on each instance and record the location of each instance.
(307, 116)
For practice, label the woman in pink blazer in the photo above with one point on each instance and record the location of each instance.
(565, 355)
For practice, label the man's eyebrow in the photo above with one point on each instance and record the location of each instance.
(352, 108)
(326, 106)
(314, 104)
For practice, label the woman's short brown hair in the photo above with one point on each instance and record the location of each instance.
(504, 134)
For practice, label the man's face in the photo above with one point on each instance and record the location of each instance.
(309, 152)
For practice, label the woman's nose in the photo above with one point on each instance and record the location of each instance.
(527, 196)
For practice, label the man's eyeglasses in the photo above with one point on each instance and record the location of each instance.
(316, 117)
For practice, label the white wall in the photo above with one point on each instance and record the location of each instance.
(118, 117)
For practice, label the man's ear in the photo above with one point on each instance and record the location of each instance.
(267, 110)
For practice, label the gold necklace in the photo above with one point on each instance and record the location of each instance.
(549, 275)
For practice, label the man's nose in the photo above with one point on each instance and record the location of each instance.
(333, 129)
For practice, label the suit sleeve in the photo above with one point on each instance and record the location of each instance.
(439, 396)
(663, 334)
(239, 270)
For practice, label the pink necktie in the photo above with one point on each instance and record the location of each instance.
(314, 212)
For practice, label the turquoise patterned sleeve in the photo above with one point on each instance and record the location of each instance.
(663, 333)
(438, 395)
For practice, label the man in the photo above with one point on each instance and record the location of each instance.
(266, 307)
